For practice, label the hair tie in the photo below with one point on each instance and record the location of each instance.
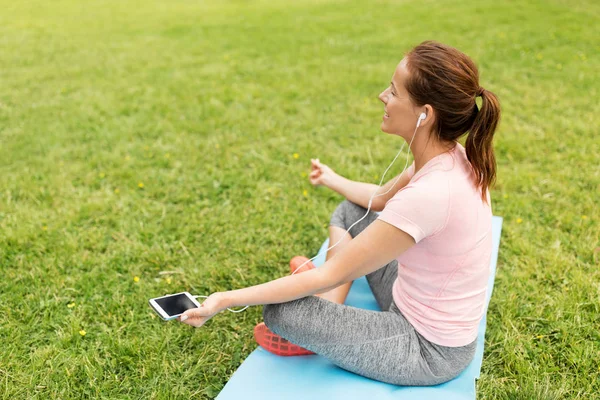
(480, 91)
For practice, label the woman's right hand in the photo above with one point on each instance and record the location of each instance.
(320, 173)
(196, 317)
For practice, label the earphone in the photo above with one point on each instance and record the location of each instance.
(422, 117)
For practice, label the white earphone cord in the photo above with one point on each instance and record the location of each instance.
(421, 117)
(373, 196)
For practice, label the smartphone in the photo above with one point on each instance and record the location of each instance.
(172, 306)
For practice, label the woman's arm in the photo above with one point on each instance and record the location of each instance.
(360, 192)
(373, 248)
(284, 289)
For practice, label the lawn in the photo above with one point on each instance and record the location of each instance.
(151, 147)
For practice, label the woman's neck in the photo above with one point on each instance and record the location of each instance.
(424, 150)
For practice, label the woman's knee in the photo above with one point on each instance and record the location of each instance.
(272, 316)
(340, 215)
(279, 317)
(286, 317)
(347, 205)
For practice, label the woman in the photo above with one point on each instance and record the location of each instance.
(426, 256)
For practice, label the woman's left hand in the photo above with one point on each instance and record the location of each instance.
(211, 306)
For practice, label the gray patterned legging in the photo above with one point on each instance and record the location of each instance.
(381, 345)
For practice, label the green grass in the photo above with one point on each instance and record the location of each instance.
(205, 103)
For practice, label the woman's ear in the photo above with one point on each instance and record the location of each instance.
(430, 115)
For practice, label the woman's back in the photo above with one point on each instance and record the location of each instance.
(442, 280)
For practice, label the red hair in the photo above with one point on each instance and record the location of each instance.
(448, 80)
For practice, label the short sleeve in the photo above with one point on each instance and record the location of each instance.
(420, 208)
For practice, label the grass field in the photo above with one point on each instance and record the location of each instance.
(150, 147)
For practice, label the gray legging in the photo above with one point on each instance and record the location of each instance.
(381, 345)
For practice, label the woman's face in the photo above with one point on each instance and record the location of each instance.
(401, 115)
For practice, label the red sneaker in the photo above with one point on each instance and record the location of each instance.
(275, 344)
(298, 261)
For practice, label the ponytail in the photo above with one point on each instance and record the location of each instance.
(448, 80)
(480, 152)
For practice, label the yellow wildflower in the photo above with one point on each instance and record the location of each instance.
(136, 278)
(519, 220)
(305, 192)
(584, 217)
(101, 175)
(44, 228)
(82, 332)
(141, 185)
(304, 174)
(117, 191)
(71, 305)
(168, 280)
(296, 155)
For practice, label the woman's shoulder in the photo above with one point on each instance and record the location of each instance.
(439, 168)
(450, 176)
(456, 165)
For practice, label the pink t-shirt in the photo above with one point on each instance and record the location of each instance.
(442, 279)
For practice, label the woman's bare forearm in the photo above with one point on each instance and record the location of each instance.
(356, 192)
(284, 289)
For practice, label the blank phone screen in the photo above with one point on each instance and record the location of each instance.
(176, 304)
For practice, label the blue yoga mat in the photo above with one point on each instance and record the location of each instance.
(266, 376)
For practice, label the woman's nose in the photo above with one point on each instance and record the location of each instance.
(383, 97)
